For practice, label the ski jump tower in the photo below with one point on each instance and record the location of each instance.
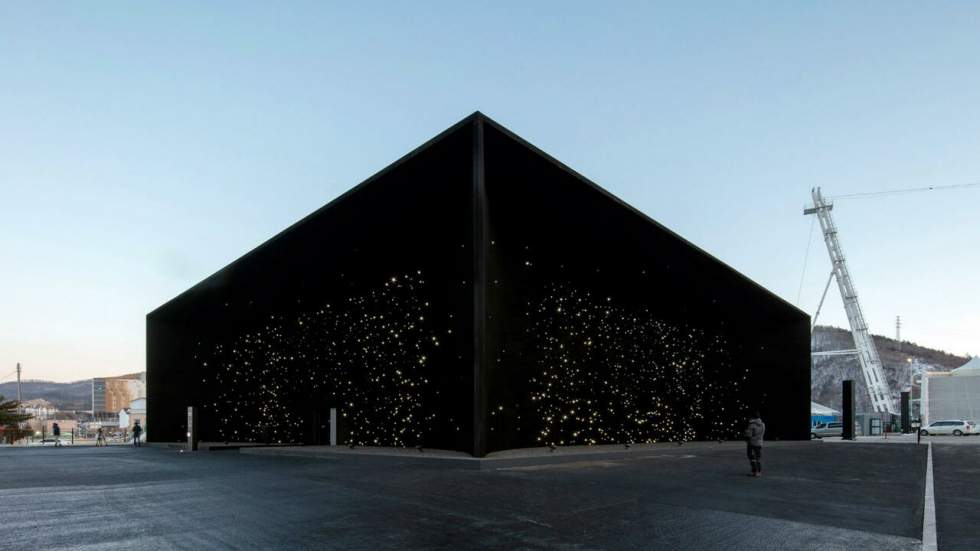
(864, 345)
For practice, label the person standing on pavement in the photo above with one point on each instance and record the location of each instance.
(137, 430)
(100, 438)
(754, 433)
(56, 431)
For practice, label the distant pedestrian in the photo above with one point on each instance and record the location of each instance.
(100, 438)
(56, 431)
(754, 433)
(137, 430)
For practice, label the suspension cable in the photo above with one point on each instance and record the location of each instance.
(806, 257)
(901, 191)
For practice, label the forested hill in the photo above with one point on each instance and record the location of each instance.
(64, 396)
(828, 371)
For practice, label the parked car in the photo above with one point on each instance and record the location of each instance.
(956, 427)
(826, 429)
(50, 442)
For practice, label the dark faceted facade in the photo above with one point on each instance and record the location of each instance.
(477, 295)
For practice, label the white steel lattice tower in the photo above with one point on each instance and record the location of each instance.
(874, 376)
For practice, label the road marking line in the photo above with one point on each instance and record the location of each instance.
(565, 465)
(671, 456)
(532, 521)
(929, 541)
(618, 462)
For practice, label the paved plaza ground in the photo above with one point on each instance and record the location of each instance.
(813, 495)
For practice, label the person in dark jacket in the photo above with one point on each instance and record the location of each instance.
(754, 433)
(137, 430)
(56, 431)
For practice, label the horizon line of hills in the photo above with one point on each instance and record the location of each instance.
(826, 373)
(72, 396)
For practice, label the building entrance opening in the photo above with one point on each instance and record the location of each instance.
(323, 427)
(875, 426)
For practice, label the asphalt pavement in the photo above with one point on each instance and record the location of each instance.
(956, 478)
(812, 495)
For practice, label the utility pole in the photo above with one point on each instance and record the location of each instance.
(18, 381)
(898, 331)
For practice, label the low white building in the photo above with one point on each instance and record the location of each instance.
(135, 412)
(38, 408)
(952, 394)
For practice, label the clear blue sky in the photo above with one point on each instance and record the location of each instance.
(144, 147)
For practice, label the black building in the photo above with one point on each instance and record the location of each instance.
(477, 295)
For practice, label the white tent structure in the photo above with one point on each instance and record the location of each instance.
(970, 368)
(822, 411)
(952, 394)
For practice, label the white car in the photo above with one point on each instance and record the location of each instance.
(826, 429)
(956, 427)
(50, 442)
